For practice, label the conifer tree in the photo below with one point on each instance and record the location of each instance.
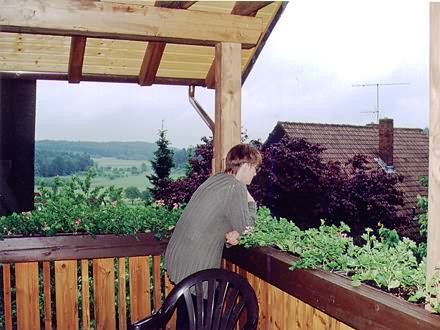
(162, 163)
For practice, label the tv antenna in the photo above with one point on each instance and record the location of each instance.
(377, 85)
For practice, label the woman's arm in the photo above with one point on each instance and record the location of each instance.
(242, 208)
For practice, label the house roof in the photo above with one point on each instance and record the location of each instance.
(341, 142)
(140, 41)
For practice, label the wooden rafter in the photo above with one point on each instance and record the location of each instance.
(241, 8)
(96, 77)
(76, 59)
(129, 22)
(155, 49)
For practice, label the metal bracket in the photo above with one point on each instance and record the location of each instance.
(205, 117)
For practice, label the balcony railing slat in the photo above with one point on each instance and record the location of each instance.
(139, 270)
(7, 297)
(104, 293)
(168, 287)
(122, 294)
(85, 301)
(157, 283)
(66, 294)
(27, 295)
(47, 296)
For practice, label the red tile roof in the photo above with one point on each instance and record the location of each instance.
(342, 142)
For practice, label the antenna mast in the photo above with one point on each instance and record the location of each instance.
(377, 110)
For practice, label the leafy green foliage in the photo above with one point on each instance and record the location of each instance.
(76, 207)
(385, 261)
(295, 182)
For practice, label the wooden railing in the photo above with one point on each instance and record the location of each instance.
(314, 299)
(79, 282)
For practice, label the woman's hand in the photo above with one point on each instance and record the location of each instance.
(232, 237)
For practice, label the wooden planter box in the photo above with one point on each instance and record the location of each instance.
(363, 307)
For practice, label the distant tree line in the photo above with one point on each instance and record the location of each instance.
(121, 150)
(51, 163)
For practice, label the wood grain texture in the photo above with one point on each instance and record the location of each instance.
(104, 293)
(171, 325)
(66, 294)
(155, 49)
(243, 8)
(76, 58)
(157, 289)
(360, 308)
(227, 101)
(78, 247)
(139, 270)
(27, 296)
(47, 296)
(7, 297)
(130, 22)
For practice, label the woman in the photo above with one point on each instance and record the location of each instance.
(219, 210)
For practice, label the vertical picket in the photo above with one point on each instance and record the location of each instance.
(7, 297)
(66, 294)
(27, 295)
(139, 270)
(104, 293)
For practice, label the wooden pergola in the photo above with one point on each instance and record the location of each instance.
(189, 43)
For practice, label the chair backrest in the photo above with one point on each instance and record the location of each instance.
(221, 298)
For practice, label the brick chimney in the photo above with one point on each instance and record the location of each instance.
(386, 140)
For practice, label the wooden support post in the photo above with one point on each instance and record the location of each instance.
(17, 139)
(227, 101)
(433, 262)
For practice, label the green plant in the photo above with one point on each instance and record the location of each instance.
(75, 207)
(385, 261)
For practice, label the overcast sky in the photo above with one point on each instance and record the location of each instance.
(305, 73)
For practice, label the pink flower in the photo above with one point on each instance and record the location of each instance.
(175, 206)
(160, 202)
(77, 221)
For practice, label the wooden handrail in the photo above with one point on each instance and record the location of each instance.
(74, 247)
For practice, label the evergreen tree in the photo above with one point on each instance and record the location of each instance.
(161, 164)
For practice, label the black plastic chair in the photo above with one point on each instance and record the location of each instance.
(228, 295)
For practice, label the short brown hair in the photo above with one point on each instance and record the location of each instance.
(241, 154)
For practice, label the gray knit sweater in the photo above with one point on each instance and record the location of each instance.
(217, 207)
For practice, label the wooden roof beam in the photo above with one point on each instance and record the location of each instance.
(76, 58)
(127, 22)
(242, 8)
(155, 49)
